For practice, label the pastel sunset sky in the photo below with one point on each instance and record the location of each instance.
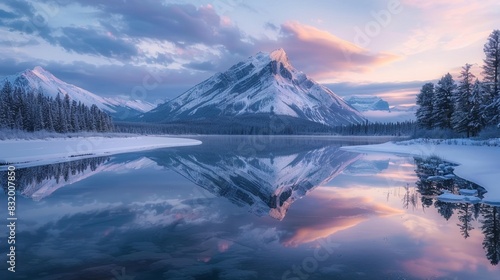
(383, 47)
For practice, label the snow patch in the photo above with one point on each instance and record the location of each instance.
(25, 153)
(449, 197)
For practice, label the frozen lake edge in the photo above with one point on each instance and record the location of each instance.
(25, 153)
(478, 164)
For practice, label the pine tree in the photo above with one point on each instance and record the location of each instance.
(5, 104)
(475, 116)
(491, 231)
(67, 113)
(39, 120)
(443, 103)
(491, 67)
(49, 123)
(461, 101)
(425, 111)
(491, 74)
(445, 208)
(465, 219)
(75, 116)
(56, 115)
(41, 110)
(18, 120)
(93, 118)
(18, 108)
(3, 119)
(29, 113)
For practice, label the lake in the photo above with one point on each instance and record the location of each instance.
(248, 208)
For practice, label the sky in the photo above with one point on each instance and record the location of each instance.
(155, 50)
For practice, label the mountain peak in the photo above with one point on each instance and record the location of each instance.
(279, 55)
(261, 59)
(44, 75)
(39, 69)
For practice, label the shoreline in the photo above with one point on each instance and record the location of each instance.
(478, 164)
(26, 153)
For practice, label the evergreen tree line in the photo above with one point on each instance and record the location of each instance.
(30, 180)
(32, 111)
(466, 106)
(377, 128)
(251, 124)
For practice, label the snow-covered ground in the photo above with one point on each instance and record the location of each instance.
(24, 153)
(479, 161)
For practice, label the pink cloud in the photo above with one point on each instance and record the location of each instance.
(450, 24)
(323, 55)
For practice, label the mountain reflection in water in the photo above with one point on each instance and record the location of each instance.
(249, 208)
(265, 174)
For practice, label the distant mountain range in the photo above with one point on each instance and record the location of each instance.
(264, 85)
(39, 78)
(261, 92)
(367, 103)
(376, 109)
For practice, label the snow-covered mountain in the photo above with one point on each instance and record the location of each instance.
(376, 109)
(367, 103)
(39, 78)
(264, 84)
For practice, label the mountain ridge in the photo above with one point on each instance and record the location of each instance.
(39, 78)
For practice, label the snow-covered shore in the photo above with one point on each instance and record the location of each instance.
(477, 163)
(24, 153)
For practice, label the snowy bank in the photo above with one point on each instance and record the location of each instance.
(477, 163)
(24, 153)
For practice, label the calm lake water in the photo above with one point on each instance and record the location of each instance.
(248, 208)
